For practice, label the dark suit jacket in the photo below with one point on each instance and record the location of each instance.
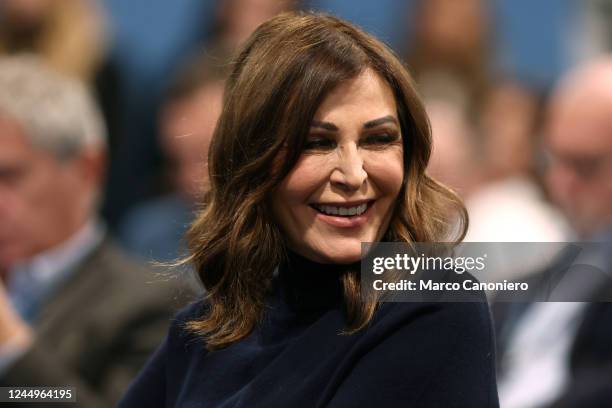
(590, 357)
(97, 330)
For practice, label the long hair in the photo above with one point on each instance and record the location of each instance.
(277, 82)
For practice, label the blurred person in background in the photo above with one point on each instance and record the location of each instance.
(509, 121)
(155, 228)
(73, 310)
(579, 143)
(511, 205)
(488, 160)
(456, 158)
(450, 42)
(484, 130)
(71, 36)
(148, 59)
(237, 19)
(559, 354)
(149, 40)
(67, 34)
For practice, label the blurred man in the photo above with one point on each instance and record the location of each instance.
(560, 354)
(73, 310)
(580, 145)
(155, 228)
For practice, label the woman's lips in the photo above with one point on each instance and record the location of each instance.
(346, 221)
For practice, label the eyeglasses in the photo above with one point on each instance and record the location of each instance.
(586, 167)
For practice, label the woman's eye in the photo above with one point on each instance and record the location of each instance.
(381, 139)
(319, 143)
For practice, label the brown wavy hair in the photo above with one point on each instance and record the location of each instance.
(277, 81)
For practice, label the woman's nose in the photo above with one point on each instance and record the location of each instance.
(349, 172)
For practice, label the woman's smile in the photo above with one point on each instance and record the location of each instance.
(344, 215)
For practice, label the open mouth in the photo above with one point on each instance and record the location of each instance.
(342, 210)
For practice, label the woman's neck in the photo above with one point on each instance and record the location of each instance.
(310, 286)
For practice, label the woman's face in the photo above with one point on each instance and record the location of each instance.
(343, 188)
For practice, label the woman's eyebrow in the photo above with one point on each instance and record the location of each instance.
(380, 121)
(324, 125)
(368, 125)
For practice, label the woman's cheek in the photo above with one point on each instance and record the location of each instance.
(386, 169)
(310, 174)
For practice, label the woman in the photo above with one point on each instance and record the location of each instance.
(321, 145)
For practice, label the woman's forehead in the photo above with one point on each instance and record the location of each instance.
(367, 96)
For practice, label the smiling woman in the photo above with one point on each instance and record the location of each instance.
(322, 144)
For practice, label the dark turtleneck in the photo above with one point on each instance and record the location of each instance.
(307, 286)
(411, 354)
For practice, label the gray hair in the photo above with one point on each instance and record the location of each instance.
(58, 114)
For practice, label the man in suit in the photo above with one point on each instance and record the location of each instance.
(560, 353)
(73, 310)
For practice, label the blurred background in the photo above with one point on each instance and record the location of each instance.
(486, 69)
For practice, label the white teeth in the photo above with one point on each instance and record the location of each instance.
(330, 210)
(342, 211)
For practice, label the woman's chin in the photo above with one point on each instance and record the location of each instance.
(342, 252)
(342, 256)
(339, 251)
